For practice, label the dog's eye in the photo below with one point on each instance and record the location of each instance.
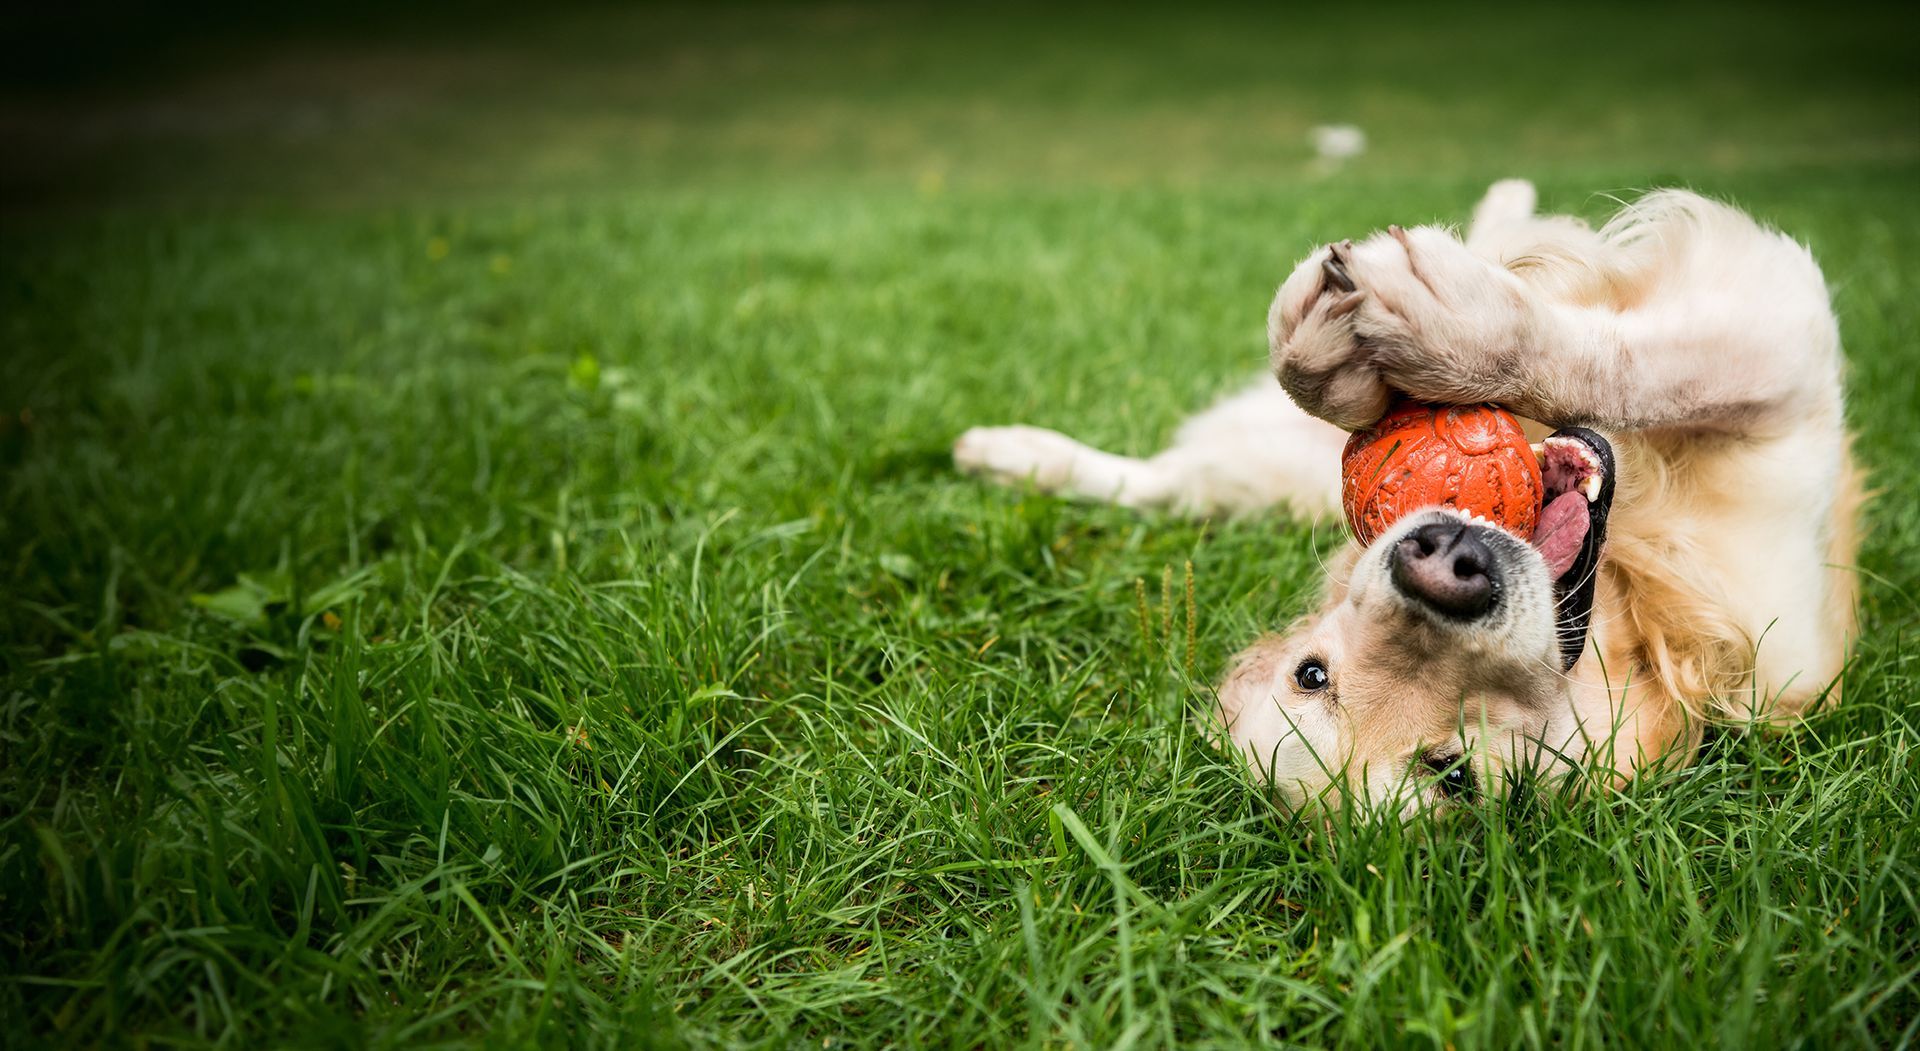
(1311, 675)
(1456, 779)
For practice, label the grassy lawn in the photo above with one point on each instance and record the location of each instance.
(481, 564)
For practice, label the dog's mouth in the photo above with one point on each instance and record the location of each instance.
(1577, 467)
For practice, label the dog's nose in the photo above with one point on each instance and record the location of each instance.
(1447, 566)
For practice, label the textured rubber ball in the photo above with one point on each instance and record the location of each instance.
(1471, 457)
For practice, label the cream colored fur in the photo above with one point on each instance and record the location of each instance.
(1702, 344)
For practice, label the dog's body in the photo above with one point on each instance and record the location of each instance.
(1703, 346)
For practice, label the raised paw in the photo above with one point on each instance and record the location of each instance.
(1410, 310)
(1315, 351)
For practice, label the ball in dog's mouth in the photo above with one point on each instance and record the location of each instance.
(1577, 468)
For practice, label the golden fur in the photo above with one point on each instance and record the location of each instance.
(1701, 344)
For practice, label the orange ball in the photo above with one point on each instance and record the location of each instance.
(1471, 457)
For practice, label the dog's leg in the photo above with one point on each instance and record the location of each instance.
(1507, 233)
(1248, 452)
(1712, 323)
(1055, 463)
(1507, 206)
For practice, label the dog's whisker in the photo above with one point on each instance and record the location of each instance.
(1313, 538)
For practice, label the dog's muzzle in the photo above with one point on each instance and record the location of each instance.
(1449, 565)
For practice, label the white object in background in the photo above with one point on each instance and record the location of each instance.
(1338, 142)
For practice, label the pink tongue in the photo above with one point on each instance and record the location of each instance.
(1562, 528)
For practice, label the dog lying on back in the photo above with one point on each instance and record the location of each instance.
(1687, 363)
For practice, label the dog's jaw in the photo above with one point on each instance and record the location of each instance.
(1578, 468)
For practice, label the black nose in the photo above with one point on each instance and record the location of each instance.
(1447, 566)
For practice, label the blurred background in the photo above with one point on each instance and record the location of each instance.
(210, 104)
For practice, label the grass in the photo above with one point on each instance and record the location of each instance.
(488, 571)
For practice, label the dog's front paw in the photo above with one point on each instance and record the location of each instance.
(1017, 455)
(1439, 323)
(1406, 310)
(1317, 355)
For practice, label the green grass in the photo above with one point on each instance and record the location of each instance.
(489, 572)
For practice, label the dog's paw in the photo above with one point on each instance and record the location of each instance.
(1439, 323)
(1316, 354)
(1017, 455)
(1407, 310)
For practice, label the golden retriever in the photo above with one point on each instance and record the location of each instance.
(1680, 369)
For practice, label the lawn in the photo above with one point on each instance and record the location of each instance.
(482, 567)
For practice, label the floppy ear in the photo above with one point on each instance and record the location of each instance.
(1256, 664)
(1683, 640)
(1651, 731)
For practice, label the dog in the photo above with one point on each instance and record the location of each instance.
(1679, 368)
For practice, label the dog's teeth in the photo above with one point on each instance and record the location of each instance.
(1595, 468)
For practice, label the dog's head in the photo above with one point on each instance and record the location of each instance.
(1437, 671)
